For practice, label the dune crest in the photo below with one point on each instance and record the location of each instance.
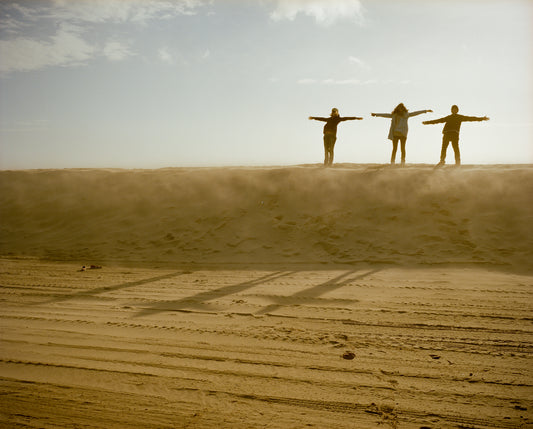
(351, 213)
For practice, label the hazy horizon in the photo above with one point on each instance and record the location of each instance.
(154, 84)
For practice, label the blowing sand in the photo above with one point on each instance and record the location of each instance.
(353, 297)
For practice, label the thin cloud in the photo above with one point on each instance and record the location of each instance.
(117, 11)
(117, 51)
(308, 81)
(165, 56)
(359, 62)
(341, 82)
(66, 48)
(325, 12)
(36, 35)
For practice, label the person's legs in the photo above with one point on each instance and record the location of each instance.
(326, 152)
(455, 145)
(403, 140)
(445, 143)
(394, 149)
(329, 144)
(331, 147)
(326, 149)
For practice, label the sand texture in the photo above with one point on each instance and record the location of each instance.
(417, 215)
(360, 296)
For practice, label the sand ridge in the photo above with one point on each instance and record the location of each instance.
(304, 214)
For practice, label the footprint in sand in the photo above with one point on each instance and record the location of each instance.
(348, 355)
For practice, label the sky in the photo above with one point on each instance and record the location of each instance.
(170, 83)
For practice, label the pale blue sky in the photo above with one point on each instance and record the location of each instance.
(148, 84)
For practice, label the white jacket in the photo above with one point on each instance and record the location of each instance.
(398, 124)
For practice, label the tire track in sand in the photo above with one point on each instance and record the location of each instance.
(247, 348)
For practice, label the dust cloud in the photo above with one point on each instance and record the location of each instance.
(302, 214)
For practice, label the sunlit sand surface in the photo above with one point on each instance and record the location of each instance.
(360, 296)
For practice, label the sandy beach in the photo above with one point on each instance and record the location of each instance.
(359, 296)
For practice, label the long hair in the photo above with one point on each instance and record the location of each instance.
(400, 109)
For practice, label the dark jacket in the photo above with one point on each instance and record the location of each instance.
(332, 122)
(453, 122)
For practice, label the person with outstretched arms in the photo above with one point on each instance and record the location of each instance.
(450, 132)
(330, 132)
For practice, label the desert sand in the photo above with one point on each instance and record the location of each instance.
(359, 296)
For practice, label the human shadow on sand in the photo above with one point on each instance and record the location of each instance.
(310, 295)
(105, 289)
(198, 301)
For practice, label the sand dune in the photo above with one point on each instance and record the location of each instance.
(354, 297)
(307, 214)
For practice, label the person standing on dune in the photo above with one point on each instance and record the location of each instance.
(398, 128)
(330, 132)
(450, 132)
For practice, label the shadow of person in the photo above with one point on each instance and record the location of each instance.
(200, 300)
(312, 293)
(105, 289)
